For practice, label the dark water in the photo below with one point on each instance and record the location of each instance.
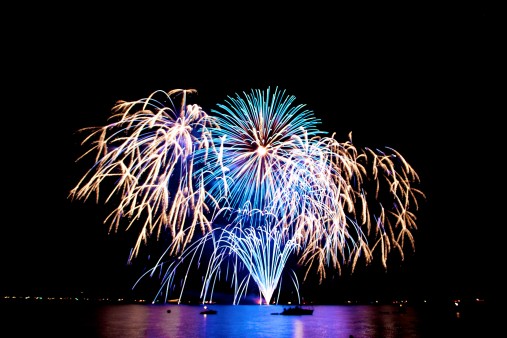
(130, 320)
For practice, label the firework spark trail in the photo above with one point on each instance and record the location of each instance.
(150, 152)
(255, 135)
(264, 251)
(260, 155)
(261, 251)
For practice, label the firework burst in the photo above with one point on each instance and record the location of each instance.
(148, 152)
(260, 166)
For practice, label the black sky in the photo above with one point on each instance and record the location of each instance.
(419, 80)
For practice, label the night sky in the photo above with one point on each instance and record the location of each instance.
(419, 80)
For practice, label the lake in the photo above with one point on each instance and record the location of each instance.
(172, 320)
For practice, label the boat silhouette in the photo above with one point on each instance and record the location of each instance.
(295, 311)
(207, 311)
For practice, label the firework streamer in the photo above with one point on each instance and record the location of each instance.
(260, 165)
(149, 153)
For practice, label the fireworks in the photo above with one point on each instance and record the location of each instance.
(149, 152)
(259, 181)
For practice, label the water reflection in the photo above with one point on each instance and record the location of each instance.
(129, 321)
(256, 321)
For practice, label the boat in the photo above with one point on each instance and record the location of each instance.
(207, 311)
(295, 311)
